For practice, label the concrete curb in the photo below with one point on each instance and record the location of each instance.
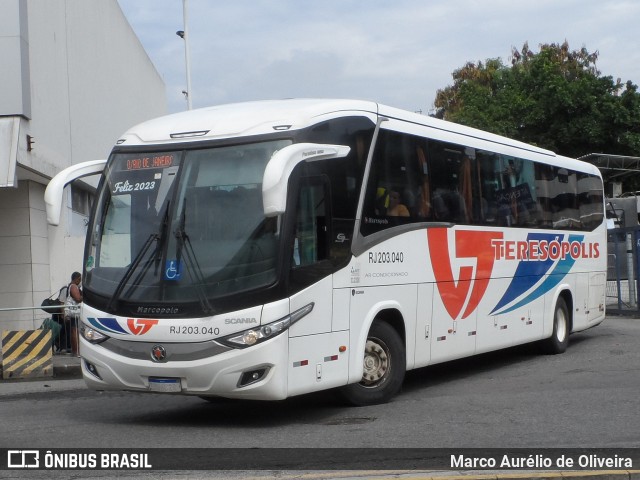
(66, 367)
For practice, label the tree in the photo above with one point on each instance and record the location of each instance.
(555, 99)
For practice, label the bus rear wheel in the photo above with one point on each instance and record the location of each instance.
(384, 367)
(559, 339)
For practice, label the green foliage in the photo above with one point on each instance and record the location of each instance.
(555, 99)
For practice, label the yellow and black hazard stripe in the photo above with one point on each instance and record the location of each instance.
(26, 353)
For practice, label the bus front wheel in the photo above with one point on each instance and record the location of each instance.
(559, 339)
(384, 367)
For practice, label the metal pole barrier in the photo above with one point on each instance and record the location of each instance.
(33, 320)
(11, 309)
(618, 285)
(630, 270)
(74, 324)
(636, 236)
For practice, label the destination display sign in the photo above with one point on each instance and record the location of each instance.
(144, 162)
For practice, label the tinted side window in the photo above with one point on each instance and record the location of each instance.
(591, 200)
(452, 176)
(310, 237)
(345, 174)
(399, 186)
(508, 190)
(343, 178)
(413, 179)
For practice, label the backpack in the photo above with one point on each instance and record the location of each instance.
(62, 294)
(50, 302)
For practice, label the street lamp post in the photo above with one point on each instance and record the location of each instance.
(184, 34)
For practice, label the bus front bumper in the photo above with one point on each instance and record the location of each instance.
(258, 372)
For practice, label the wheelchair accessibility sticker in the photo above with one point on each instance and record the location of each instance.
(173, 270)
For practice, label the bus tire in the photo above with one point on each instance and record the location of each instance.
(385, 364)
(559, 339)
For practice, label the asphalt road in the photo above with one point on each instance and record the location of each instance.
(587, 397)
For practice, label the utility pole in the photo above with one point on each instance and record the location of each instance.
(184, 34)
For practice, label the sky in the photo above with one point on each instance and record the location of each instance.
(395, 52)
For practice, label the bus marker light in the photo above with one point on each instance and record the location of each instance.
(302, 363)
(342, 349)
(331, 358)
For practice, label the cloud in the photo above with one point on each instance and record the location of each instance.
(397, 52)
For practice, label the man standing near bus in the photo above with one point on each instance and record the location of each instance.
(71, 311)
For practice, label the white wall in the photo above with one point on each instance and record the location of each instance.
(90, 80)
(14, 52)
(24, 254)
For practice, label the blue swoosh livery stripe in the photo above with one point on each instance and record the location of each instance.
(560, 271)
(528, 273)
(107, 324)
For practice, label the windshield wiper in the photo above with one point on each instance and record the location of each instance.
(164, 226)
(160, 238)
(193, 267)
(134, 264)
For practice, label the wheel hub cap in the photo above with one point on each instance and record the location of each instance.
(376, 363)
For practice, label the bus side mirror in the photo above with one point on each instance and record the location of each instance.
(276, 175)
(54, 191)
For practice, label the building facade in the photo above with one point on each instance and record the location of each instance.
(74, 77)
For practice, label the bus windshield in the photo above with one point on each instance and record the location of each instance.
(183, 226)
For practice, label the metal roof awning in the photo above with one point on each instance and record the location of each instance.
(614, 167)
(9, 130)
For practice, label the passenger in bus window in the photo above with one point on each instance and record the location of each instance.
(382, 201)
(396, 208)
(449, 206)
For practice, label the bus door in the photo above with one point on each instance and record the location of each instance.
(316, 361)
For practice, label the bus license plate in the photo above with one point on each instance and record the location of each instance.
(165, 385)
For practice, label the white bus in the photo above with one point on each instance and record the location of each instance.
(270, 249)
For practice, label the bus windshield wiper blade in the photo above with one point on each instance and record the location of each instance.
(164, 226)
(160, 239)
(193, 267)
(132, 266)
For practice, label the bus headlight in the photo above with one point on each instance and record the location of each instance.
(257, 335)
(92, 335)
